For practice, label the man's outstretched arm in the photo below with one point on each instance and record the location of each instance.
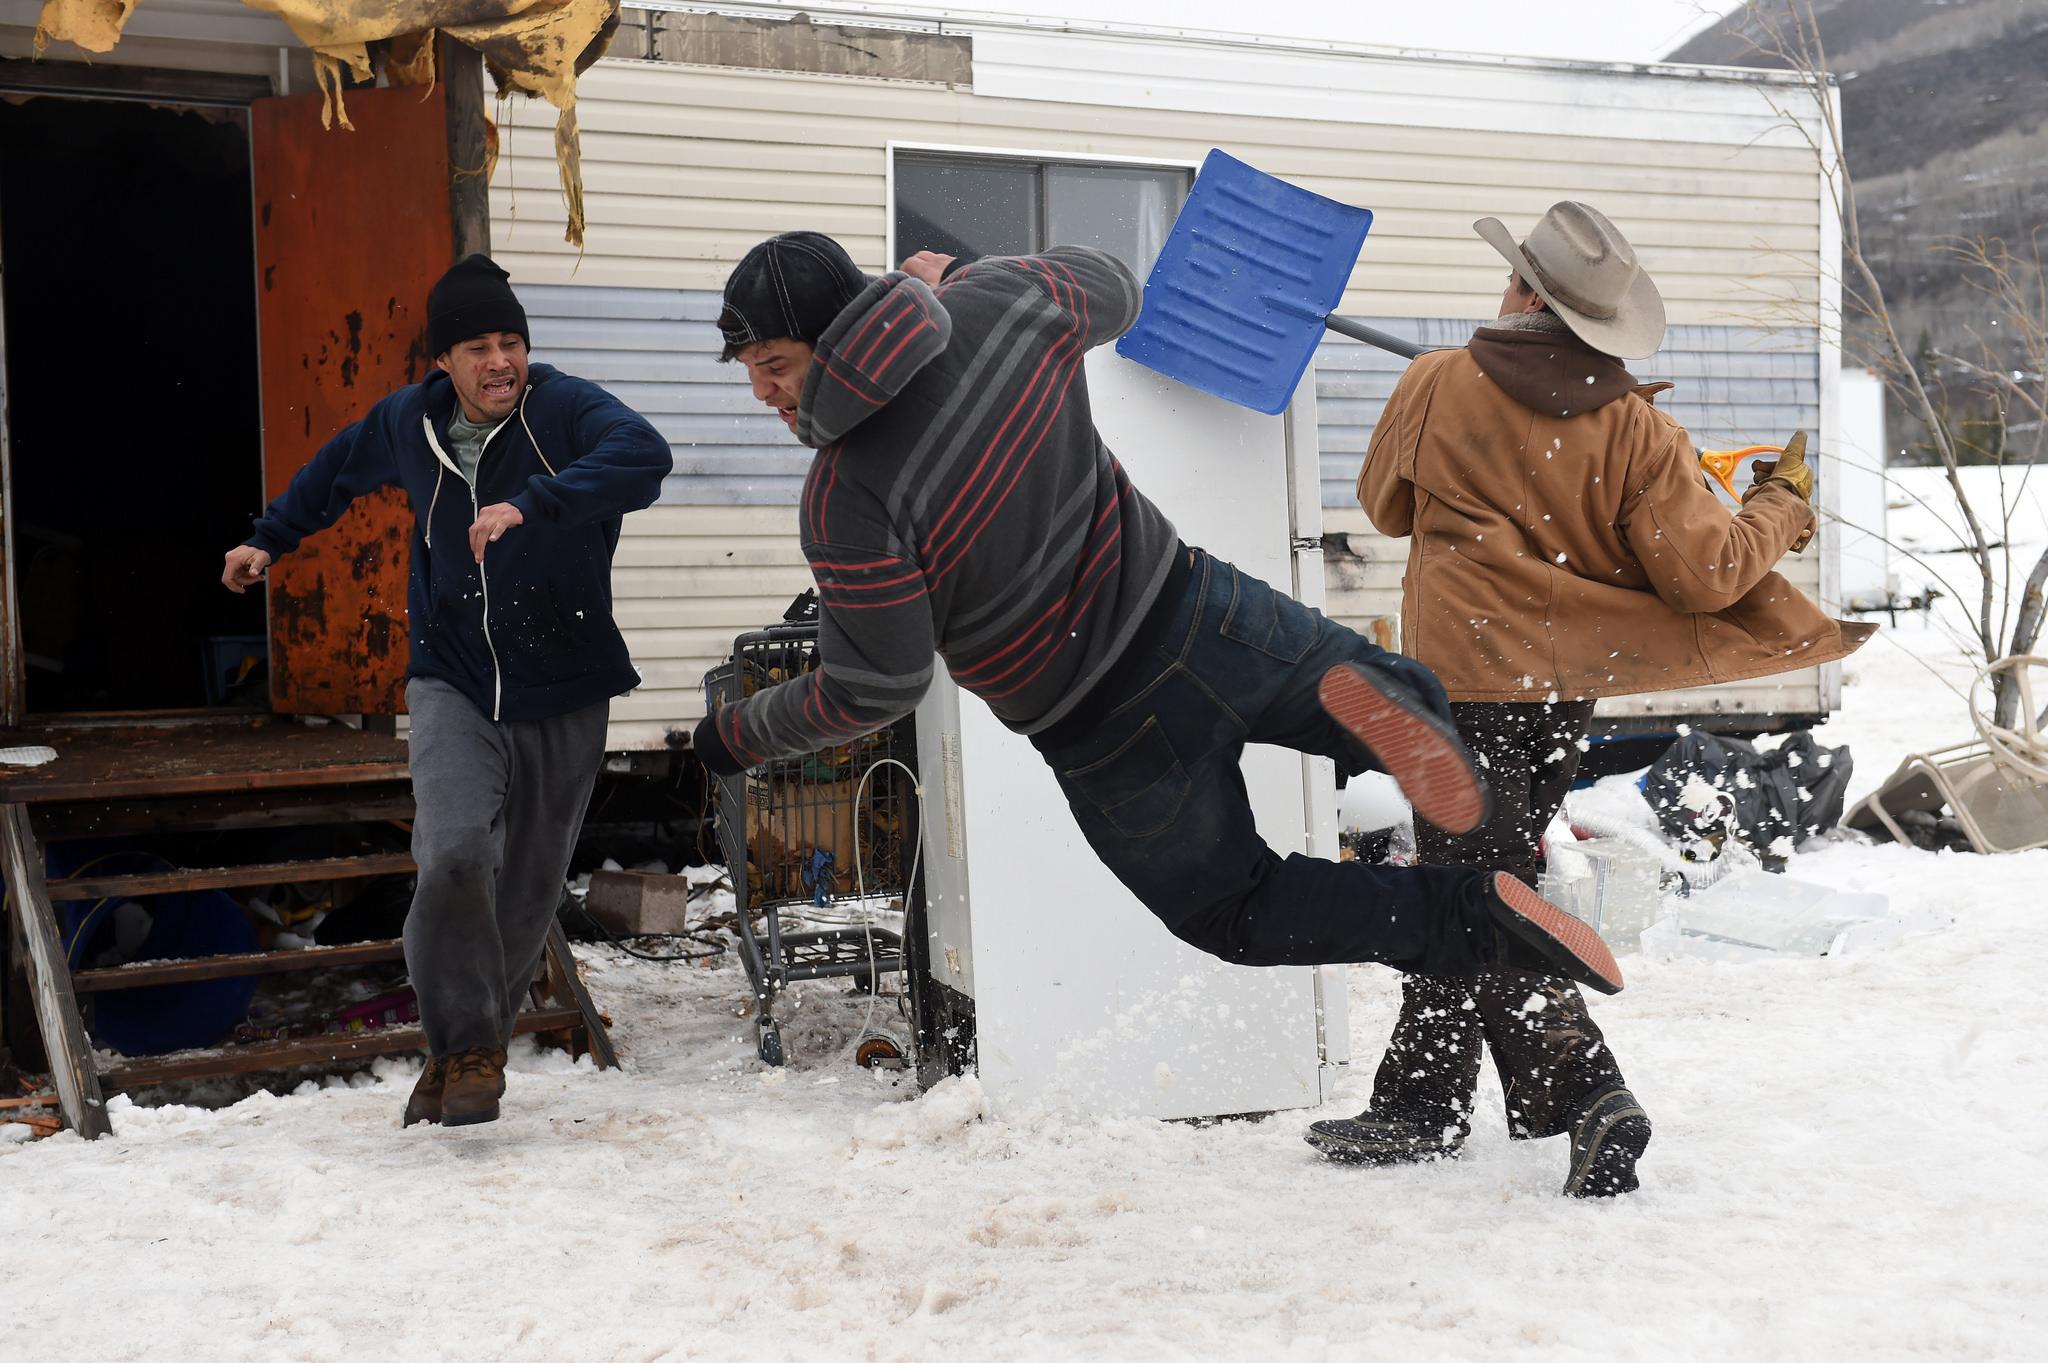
(356, 462)
(876, 654)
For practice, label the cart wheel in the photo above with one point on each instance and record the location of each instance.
(770, 1047)
(878, 1052)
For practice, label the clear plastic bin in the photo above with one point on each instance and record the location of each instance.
(1619, 890)
(1754, 911)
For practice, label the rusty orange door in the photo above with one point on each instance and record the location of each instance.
(352, 228)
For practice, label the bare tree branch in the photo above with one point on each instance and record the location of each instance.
(2014, 288)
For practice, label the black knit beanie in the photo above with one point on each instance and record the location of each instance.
(474, 297)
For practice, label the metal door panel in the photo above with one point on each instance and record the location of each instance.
(352, 229)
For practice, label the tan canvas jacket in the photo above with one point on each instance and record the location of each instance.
(1575, 549)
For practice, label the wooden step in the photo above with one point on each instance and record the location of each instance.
(142, 883)
(310, 1050)
(228, 967)
(383, 802)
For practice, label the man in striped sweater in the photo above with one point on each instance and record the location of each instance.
(962, 506)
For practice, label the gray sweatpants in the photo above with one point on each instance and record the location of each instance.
(498, 807)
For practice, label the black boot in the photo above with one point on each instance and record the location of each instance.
(1371, 1139)
(1609, 1134)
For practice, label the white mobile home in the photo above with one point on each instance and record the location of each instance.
(712, 126)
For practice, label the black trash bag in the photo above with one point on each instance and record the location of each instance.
(1793, 791)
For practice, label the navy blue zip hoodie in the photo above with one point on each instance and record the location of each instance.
(530, 633)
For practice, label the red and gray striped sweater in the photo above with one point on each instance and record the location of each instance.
(961, 504)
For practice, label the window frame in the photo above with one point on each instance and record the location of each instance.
(1039, 158)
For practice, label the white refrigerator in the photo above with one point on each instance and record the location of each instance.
(1080, 999)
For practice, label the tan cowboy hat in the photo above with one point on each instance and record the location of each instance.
(1581, 264)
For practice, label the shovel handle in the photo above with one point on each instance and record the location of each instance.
(1373, 336)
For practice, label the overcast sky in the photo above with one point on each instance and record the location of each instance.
(1589, 30)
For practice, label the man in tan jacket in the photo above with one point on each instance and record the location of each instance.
(1564, 545)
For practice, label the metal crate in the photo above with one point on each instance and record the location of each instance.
(791, 830)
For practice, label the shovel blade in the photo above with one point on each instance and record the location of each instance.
(1235, 304)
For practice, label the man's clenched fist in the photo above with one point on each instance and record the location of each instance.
(930, 266)
(491, 522)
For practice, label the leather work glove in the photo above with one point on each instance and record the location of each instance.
(1791, 470)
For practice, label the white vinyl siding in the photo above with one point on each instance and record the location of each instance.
(685, 581)
(656, 350)
(217, 37)
(685, 167)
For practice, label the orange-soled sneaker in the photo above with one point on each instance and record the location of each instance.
(1416, 747)
(1537, 936)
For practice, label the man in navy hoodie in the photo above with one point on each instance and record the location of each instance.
(518, 476)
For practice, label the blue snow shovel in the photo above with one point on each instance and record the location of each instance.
(1243, 288)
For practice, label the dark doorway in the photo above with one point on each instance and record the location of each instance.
(135, 434)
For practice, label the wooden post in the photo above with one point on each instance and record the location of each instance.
(64, 1039)
(568, 990)
(469, 201)
(13, 661)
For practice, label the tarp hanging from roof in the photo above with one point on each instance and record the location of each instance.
(537, 47)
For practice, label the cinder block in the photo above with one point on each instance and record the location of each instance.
(631, 902)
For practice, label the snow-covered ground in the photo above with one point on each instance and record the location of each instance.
(1850, 1162)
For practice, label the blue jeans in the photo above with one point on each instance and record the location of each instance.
(1157, 791)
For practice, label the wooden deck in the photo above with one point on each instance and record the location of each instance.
(120, 758)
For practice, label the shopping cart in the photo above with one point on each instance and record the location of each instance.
(821, 839)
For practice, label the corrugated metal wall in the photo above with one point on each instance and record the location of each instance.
(687, 166)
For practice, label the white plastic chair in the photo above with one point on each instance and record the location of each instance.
(1995, 786)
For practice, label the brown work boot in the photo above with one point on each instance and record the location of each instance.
(476, 1081)
(425, 1103)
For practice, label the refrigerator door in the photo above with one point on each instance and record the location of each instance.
(1082, 999)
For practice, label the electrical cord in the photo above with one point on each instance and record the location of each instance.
(708, 946)
(867, 924)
